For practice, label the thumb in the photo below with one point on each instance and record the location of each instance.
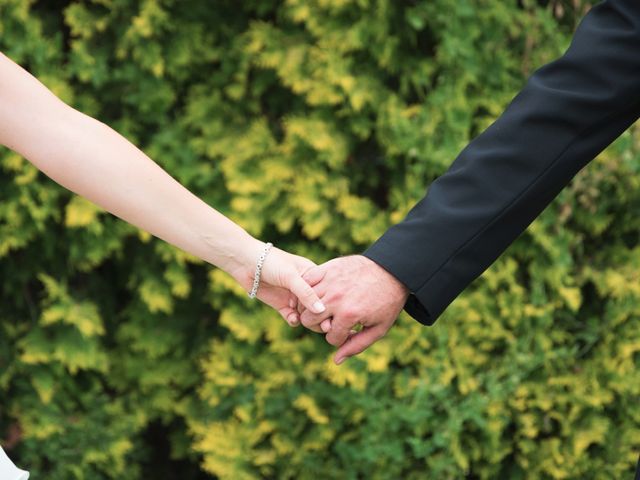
(306, 295)
(314, 275)
(359, 342)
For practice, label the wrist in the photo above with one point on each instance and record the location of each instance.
(236, 253)
(242, 265)
(397, 289)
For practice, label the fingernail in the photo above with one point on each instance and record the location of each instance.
(319, 307)
(340, 360)
(325, 327)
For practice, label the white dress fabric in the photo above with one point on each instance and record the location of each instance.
(8, 471)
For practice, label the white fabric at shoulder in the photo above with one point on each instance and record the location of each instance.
(8, 471)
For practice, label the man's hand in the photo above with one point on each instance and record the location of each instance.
(355, 290)
(281, 283)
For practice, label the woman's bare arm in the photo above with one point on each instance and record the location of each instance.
(92, 160)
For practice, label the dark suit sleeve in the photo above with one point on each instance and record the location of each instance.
(568, 112)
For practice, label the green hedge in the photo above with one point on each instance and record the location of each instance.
(316, 125)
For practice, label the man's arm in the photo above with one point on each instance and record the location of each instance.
(568, 112)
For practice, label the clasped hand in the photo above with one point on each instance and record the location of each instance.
(334, 298)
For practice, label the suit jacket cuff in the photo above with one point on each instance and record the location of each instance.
(421, 304)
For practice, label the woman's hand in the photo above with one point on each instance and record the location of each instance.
(281, 283)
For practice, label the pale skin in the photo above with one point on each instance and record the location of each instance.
(94, 161)
(356, 291)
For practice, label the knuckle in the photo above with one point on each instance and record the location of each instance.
(308, 321)
(350, 314)
(338, 295)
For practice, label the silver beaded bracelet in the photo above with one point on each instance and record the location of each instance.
(256, 277)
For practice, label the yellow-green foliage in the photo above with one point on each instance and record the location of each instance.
(315, 124)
